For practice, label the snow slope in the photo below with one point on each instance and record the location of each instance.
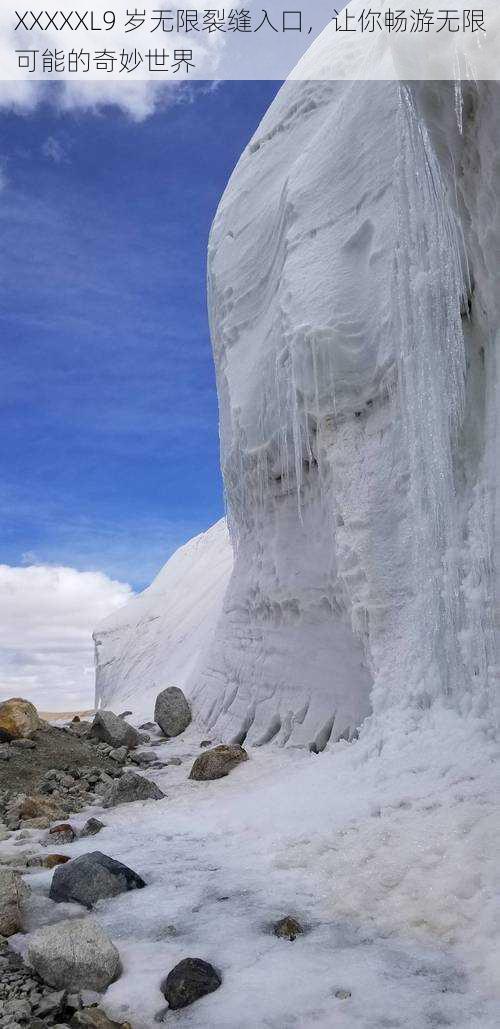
(160, 636)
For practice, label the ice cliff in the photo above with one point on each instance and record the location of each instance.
(353, 294)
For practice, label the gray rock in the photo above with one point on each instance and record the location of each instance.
(23, 744)
(191, 979)
(75, 954)
(118, 754)
(217, 762)
(51, 1004)
(114, 731)
(172, 711)
(13, 893)
(124, 714)
(92, 877)
(130, 787)
(92, 827)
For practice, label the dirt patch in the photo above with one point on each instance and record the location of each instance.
(54, 748)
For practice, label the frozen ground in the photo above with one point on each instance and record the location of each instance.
(388, 858)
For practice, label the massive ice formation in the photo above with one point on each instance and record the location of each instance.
(160, 637)
(354, 302)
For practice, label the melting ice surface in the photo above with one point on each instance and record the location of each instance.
(353, 292)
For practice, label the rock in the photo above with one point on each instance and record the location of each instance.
(172, 711)
(23, 744)
(18, 718)
(148, 726)
(288, 928)
(109, 728)
(53, 860)
(124, 714)
(118, 754)
(191, 979)
(130, 787)
(172, 761)
(75, 954)
(92, 827)
(13, 893)
(92, 877)
(51, 1004)
(217, 762)
(36, 805)
(343, 994)
(206, 743)
(63, 833)
(76, 718)
(96, 1018)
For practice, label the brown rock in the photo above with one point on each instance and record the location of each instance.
(217, 762)
(55, 859)
(97, 1019)
(18, 718)
(288, 928)
(63, 833)
(37, 806)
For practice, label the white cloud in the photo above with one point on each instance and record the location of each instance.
(47, 614)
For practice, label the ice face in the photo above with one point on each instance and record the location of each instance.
(352, 336)
(353, 295)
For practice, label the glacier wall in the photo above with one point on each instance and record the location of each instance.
(353, 291)
(353, 295)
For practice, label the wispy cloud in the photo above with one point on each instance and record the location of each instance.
(54, 150)
(47, 614)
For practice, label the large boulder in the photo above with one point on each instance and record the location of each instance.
(92, 877)
(18, 719)
(13, 893)
(130, 787)
(75, 954)
(191, 979)
(217, 762)
(172, 711)
(109, 728)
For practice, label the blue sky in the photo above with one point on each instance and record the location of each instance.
(109, 444)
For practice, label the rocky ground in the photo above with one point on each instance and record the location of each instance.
(48, 774)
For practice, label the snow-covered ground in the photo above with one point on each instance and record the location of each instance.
(387, 856)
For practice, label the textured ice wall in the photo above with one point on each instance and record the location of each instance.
(353, 286)
(161, 636)
(354, 306)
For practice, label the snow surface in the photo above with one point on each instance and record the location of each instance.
(387, 859)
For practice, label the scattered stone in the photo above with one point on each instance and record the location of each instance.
(63, 833)
(206, 743)
(172, 711)
(13, 893)
(18, 718)
(92, 827)
(51, 1004)
(75, 954)
(23, 744)
(148, 726)
(48, 861)
(343, 994)
(130, 787)
(76, 718)
(191, 979)
(217, 762)
(96, 1018)
(92, 877)
(118, 754)
(172, 761)
(109, 728)
(124, 714)
(143, 757)
(288, 928)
